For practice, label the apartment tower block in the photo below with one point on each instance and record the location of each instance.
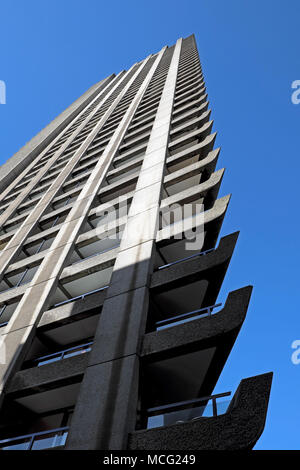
(112, 336)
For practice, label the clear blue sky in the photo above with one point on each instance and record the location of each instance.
(52, 51)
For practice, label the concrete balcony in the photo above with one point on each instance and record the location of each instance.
(238, 429)
(179, 286)
(189, 111)
(190, 98)
(191, 154)
(207, 329)
(188, 103)
(190, 124)
(51, 386)
(171, 239)
(183, 359)
(193, 342)
(190, 174)
(70, 322)
(206, 192)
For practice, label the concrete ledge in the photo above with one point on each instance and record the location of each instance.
(190, 270)
(191, 110)
(88, 266)
(205, 166)
(38, 379)
(201, 149)
(186, 196)
(201, 333)
(72, 311)
(213, 219)
(238, 429)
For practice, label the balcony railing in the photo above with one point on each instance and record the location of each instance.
(185, 317)
(2, 310)
(96, 254)
(37, 441)
(201, 253)
(189, 410)
(81, 296)
(60, 355)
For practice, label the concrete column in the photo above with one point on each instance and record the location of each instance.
(112, 375)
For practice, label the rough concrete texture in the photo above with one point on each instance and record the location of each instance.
(203, 330)
(238, 429)
(66, 313)
(39, 378)
(194, 267)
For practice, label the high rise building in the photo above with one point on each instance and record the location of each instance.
(112, 335)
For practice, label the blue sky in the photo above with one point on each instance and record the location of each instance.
(52, 51)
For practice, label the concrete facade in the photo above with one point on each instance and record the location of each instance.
(110, 272)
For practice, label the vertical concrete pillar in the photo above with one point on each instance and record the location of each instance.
(112, 375)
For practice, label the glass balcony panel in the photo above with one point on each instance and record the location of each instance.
(48, 441)
(38, 441)
(17, 445)
(179, 416)
(222, 407)
(187, 317)
(64, 354)
(179, 322)
(206, 409)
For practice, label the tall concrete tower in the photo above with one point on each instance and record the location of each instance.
(112, 336)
